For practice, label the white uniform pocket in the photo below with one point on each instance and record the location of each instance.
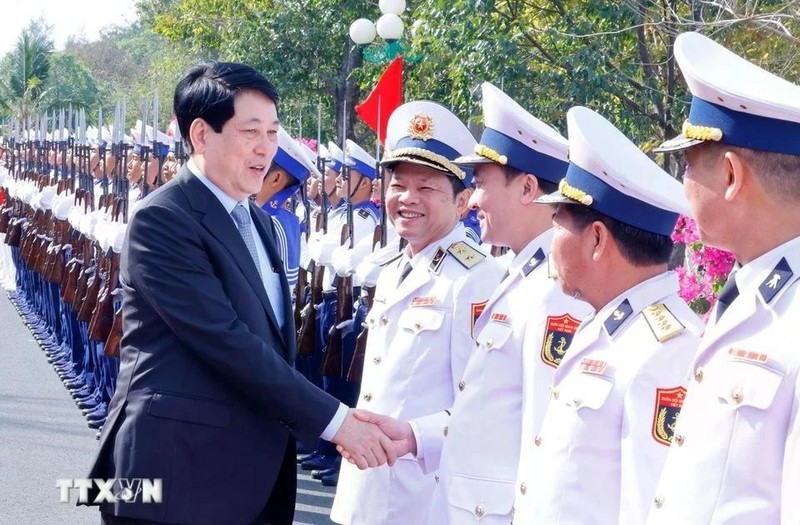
(420, 319)
(494, 335)
(740, 383)
(481, 497)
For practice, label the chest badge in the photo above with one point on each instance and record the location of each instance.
(558, 335)
(665, 416)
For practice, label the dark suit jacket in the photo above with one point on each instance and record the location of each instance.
(207, 395)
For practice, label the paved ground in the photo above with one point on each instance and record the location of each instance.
(44, 437)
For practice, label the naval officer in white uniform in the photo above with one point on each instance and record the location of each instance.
(735, 459)
(619, 388)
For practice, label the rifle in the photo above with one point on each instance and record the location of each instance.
(307, 331)
(302, 275)
(114, 335)
(357, 364)
(103, 315)
(306, 334)
(332, 364)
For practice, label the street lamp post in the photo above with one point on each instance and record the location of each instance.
(389, 27)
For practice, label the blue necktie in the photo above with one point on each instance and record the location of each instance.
(729, 292)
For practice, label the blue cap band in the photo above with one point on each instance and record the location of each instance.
(524, 158)
(282, 196)
(612, 202)
(333, 164)
(432, 145)
(362, 167)
(291, 165)
(747, 130)
(163, 149)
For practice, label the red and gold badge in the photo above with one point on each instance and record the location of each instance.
(668, 405)
(557, 338)
(477, 310)
(421, 127)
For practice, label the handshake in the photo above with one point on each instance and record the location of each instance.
(369, 440)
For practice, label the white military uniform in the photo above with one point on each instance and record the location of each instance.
(615, 398)
(736, 453)
(420, 339)
(519, 347)
(620, 387)
(735, 458)
(321, 246)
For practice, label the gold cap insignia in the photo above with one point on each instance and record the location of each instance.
(421, 127)
(705, 133)
(576, 194)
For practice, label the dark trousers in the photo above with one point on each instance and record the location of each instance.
(279, 509)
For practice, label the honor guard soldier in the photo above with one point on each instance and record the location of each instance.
(290, 168)
(358, 216)
(618, 390)
(421, 325)
(525, 328)
(735, 457)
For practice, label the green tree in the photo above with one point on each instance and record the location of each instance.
(27, 71)
(70, 84)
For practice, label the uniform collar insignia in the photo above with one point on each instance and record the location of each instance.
(438, 258)
(535, 261)
(776, 280)
(618, 316)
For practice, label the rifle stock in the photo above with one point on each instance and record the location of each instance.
(306, 335)
(354, 373)
(114, 336)
(332, 364)
(103, 315)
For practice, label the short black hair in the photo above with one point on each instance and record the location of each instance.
(456, 183)
(208, 90)
(545, 186)
(639, 247)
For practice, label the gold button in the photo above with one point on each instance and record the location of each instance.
(436, 477)
(523, 488)
(367, 397)
(698, 375)
(489, 343)
(658, 502)
(555, 393)
(679, 439)
(446, 430)
(384, 320)
(376, 360)
(417, 325)
(461, 385)
(737, 396)
(371, 320)
(537, 441)
(479, 511)
(577, 402)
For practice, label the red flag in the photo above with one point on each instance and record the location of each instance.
(386, 96)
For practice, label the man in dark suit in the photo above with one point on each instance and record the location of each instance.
(207, 398)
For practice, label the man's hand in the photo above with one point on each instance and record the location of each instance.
(366, 444)
(402, 437)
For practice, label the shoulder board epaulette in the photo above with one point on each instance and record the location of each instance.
(465, 254)
(662, 322)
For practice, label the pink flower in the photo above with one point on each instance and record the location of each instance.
(705, 270)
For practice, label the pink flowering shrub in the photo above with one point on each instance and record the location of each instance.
(311, 143)
(705, 270)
